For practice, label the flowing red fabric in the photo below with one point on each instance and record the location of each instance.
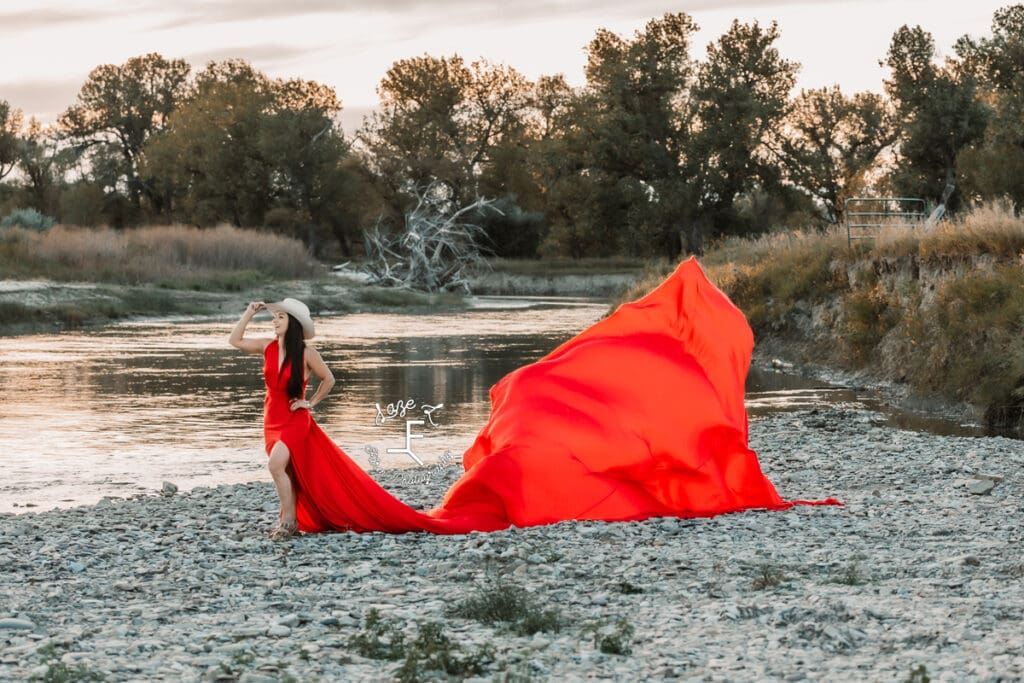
(641, 415)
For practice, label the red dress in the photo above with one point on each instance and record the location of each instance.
(641, 415)
(280, 422)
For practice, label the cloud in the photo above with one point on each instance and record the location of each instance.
(454, 12)
(228, 11)
(264, 56)
(27, 20)
(43, 99)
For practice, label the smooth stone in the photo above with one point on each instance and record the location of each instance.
(256, 677)
(17, 624)
(279, 631)
(981, 487)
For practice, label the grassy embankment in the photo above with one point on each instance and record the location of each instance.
(92, 276)
(939, 310)
(70, 277)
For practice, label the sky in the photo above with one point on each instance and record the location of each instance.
(48, 48)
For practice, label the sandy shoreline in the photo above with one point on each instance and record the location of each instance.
(922, 567)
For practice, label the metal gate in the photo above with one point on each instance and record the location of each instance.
(866, 215)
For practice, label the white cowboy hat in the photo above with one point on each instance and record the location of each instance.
(299, 311)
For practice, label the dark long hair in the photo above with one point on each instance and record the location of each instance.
(294, 350)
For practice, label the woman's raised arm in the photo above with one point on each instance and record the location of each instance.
(237, 338)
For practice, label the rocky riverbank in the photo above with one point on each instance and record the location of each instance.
(920, 574)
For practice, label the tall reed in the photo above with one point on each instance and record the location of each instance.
(169, 254)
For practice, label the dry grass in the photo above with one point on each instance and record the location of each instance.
(991, 229)
(173, 255)
(766, 275)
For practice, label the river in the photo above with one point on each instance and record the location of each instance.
(118, 410)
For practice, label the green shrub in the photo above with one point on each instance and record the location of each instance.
(59, 672)
(850, 576)
(767, 576)
(919, 674)
(615, 641)
(29, 219)
(500, 601)
(434, 651)
(379, 638)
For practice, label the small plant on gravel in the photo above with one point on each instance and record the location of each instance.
(767, 577)
(239, 663)
(59, 672)
(1015, 571)
(434, 651)
(919, 675)
(629, 588)
(615, 640)
(379, 638)
(501, 601)
(850, 576)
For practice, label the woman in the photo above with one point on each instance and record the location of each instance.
(641, 415)
(288, 362)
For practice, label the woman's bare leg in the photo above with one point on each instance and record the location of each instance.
(278, 465)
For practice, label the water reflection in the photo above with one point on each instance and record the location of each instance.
(771, 392)
(119, 410)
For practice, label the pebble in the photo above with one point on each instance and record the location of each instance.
(912, 570)
(17, 624)
(981, 487)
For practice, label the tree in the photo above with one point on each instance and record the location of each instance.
(610, 157)
(120, 106)
(440, 121)
(309, 157)
(741, 96)
(994, 166)
(939, 113)
(830, 142)
(43, 165)
(242, 145)
(209, 154)
(998, 60)
(10, 130)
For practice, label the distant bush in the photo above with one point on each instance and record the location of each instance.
(83, 204)
(27, 218)
(510, 231)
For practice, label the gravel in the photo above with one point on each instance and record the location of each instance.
(923, 567)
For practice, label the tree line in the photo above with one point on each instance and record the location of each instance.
(656, 153)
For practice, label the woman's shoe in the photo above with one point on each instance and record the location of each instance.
(285, 530)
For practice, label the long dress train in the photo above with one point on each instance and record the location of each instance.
(641, 415)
